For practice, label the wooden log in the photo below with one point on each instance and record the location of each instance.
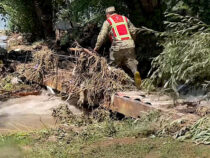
(82, 50)
(24, 94)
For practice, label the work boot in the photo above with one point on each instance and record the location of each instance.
(137, 79)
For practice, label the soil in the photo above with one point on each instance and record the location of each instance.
(120, 141)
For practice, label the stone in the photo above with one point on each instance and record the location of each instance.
(15, 80)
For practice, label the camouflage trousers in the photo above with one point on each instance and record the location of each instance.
(124, 57)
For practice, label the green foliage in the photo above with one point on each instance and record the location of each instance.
(200, 9)
(147, 85)
(109, 138)
(186, 58)
(84, 11)
(199, 132)
(178, 25)
(62, 10)
(21, 15)
(110, 129)
(65, 40)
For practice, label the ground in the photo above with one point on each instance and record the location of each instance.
(91, 138)
(27, 146)
(101, 134)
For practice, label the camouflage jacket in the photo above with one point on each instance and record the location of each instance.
(107, 29)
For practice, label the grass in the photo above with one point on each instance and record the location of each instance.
(84, 138)
(157, 148)
(116, 147)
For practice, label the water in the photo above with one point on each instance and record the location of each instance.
(3, 24)
(29, 113)
(3, 38)
(3, 42)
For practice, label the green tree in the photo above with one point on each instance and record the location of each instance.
(31, 16)
(196, 8)
(148, 13)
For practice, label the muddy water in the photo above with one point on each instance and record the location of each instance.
(29, 113)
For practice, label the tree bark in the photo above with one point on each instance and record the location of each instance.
(44, 14)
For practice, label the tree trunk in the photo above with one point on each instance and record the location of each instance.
(44, 13)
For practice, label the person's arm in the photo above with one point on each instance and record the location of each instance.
(132, 29)
(131, 25)
(102, 35)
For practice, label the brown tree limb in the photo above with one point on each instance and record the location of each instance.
(82, 50)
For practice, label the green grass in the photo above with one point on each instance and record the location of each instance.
(110, 138)
(10, 146)
(116, 147)
(155, 148)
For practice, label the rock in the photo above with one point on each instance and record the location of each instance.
(15, 80)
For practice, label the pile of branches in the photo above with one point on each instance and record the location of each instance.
(43, 63)
(92, 81)
(95, 81)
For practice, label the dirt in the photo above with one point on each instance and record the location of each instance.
(10, 152)
(152, 155)
(146, 147)
(115, 141)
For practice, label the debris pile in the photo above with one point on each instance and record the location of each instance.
(12, 87)
(96, 81)
(43, 62)
(85, 76)
(199, 132)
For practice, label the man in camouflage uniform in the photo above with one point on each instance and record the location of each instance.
(122, 52)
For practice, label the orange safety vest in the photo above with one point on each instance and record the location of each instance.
(120, 29)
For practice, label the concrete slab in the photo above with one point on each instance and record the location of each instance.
(134, 104)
